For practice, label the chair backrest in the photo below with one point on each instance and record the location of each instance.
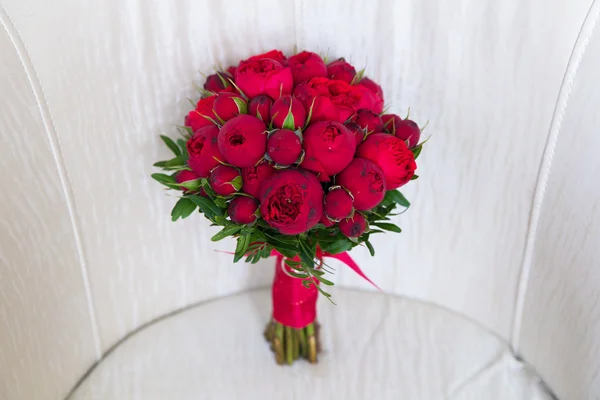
(88, 252)
(558, 318)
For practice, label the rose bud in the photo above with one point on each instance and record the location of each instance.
(368, 120)
(187, 176)
(228, 105)
(284, 147)
(196, 119)
(231, 70)
(265, 74)
(225, 180)
(260, 107)
(408, 130)
(242, 210)
(219, 82)
(357, 131)
(365, 181)
(376, 91)
(329, 147)
(203, 151)
(326, 221)
(306, 65)
(288, 113)
(390, 122)
(253, 177)
(390, 154)
(291, 200)
(243, 140)
(338, 204)
(353, 227)
(340, 70)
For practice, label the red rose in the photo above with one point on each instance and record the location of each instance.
(329, 147)
(332, 100)
(242, 210)
(260, 107)
(219, 82)
(368, 120)
(365, 181)
(355, 97)
(196, 118)
(338, 204)
(254, 176)
(264, 74)
(225, 180)
(288, 108)
(284, 147)
(408, 130)
(243, 140)
(228, 105)
(355, 226)
(341, 70)
(291, 200)
(390, 154)
(377, 93)
(357, 131)
(186, 176)
(306, 65)
(203, 151)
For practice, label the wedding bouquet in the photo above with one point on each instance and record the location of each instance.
(296, 159)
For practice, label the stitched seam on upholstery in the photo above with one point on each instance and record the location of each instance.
(579, 47)
(36, 87)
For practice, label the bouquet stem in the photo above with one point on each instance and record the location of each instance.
(290, 344)
(293, 331)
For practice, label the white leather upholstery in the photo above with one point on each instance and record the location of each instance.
(375, 347)
(88, 253)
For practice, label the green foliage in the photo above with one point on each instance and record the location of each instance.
(183, 208)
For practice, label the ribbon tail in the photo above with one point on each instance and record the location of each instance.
(346, 259)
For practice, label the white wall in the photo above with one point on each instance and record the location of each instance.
(114, 74)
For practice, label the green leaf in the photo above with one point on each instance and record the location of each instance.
(171, 145)
(287, 252)
(370, 247)
(237, 88)
(183, 208)
(417, 150)
(185, 131)
(206, 205)
(242, 245)
(241, 105)
(338, 246)
(396, 197)
(192, 185)
(414, 177)
(288, 122)
(324, 281)
(220, 202)
(223, 80)
(283, 238)
(388, 227)
(310, 112)
(178, 161)
(237, 182)
(166, 180)
(226, 232)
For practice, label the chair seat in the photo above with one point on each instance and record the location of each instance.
(375, 346)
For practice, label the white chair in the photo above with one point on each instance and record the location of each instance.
(491, 292)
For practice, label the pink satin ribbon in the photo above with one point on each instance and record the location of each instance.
(294, 304)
